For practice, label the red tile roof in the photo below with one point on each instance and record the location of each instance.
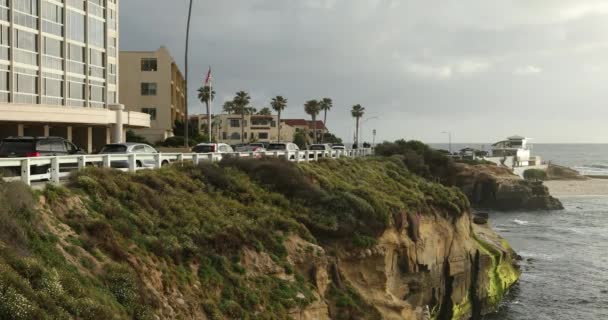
(303, 123)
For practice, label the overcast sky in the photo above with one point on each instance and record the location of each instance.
(481, 69)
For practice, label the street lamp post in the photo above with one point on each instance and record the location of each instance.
(361, 127)
(187, 121)
(449, 133)
(374, 139)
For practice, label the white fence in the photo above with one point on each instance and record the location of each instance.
(56, 168)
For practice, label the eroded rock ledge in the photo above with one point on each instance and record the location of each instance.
(497, 188)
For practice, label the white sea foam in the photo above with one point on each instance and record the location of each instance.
(521, 222)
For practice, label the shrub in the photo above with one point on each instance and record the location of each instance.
(535, 174)
(133, 137)
(174, 142)
(419, 158)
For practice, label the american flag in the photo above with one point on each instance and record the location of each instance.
(208, 78)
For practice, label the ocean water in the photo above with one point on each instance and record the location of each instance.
(588, 159)
(565, 253)
(565, 261)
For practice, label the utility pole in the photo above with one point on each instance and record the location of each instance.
(374, 138)
(449, 133)
(187, 121)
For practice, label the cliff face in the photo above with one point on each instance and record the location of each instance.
(496, 188)
(249, 240)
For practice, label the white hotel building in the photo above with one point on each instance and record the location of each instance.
(59, 71)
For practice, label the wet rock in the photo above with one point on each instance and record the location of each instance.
(480, 220)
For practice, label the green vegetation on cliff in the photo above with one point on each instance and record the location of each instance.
(92, 249)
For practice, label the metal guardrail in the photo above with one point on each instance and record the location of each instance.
(22, 167)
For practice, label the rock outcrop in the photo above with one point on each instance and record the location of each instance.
(249, 239)
(497, 188)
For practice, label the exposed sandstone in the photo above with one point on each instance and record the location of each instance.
(497, 188)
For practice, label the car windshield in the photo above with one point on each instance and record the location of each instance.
(8, 147)
(277, 146)
(204, 149)
(114, 148)
(317, 147)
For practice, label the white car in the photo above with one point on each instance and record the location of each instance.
(218, 149)
(131, 148)
(289, 147)
(326, 149)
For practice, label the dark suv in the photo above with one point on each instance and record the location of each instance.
(26, 147)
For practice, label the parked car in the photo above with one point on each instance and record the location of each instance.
(220, 149)
(259, 151)
(338, 146)
(258, 144)
(29, 147)
(131, 148)
(325, 147)
(250, 148)
(285, 146)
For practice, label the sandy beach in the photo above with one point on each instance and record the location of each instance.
(590, 187)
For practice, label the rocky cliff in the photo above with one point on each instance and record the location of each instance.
(492, 187)
(260, 239)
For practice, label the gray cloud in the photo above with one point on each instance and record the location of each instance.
(482, 69)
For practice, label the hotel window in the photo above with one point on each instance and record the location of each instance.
(112, 44)
(235, 123)
(97, 32)
(5, 43)
(26, 85)
(52, 89)
(78, 4)
(76, 55)
(150, 111)
(96, 95)
(263, 135)
(96, 8)
(75, 26)
(4, 12)
(149, 64)
(76, 95)
(96, 68)
(52, 53)
(52, 18)
(26, 13)
(112, 20)
(148, 89)
(112, 97)
(4, 83)
(26, 47)
(112, 73)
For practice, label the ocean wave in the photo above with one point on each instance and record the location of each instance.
(593, 170)
(521, 222)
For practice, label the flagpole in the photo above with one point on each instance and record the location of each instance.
(187, 120)
(210, 106)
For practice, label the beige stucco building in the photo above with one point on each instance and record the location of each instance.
(226, 128)
(59, 72)
(151, 83)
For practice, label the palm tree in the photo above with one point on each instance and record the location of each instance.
(206, 95)
(279, 104)
(265, 111)
(326, 105)
(229, 107)
(357, 112)
(313, 107)
(241, 101)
